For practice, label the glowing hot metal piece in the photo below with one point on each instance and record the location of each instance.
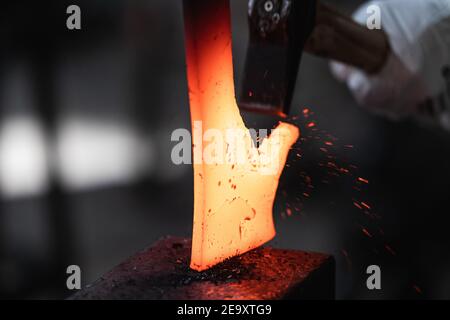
(233, 200)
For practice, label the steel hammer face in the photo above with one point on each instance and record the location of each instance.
(278, 30)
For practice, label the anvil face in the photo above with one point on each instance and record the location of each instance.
(162, 272)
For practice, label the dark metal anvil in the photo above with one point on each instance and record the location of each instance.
(162, 272)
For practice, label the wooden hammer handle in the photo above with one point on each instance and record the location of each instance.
(336, 36)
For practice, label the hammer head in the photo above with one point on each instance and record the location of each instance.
(278, 32)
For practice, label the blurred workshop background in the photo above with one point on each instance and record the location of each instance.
(86, 176)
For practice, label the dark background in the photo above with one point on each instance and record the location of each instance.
(86, 176)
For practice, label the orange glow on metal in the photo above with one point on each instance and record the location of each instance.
(232, 202)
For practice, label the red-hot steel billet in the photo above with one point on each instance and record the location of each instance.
(235, 189)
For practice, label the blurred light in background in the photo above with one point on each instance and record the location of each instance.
(91, 154)
(94, 154)
(23, 157)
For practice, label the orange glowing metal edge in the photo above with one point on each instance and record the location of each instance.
(232, 202)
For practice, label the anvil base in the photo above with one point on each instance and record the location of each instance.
(162, 272)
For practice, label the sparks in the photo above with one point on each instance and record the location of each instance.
(390, 250)
(365, 205)
(367, 233)
(356, 204)
(306, 112)
(363, 180)
(417, 288)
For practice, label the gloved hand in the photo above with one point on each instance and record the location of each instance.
(415, 79)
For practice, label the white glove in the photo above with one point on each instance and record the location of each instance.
(416, 77)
